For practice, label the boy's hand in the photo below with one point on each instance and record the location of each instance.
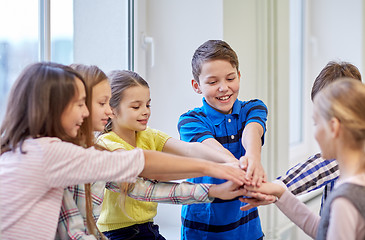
(254, 171)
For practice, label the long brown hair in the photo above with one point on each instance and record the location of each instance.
(92, 76)
(35, 105)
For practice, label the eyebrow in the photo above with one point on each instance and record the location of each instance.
(139, 101)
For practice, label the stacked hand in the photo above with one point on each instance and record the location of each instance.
(266, 194)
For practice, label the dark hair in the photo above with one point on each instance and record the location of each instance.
(333, 71)
(212, 50)
(36, 102)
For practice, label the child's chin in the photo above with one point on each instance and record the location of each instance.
(225, 110)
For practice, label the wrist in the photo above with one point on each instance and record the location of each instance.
(279, 192)
(212, 191)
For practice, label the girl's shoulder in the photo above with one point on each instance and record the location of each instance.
(152, 133)
(111, 141)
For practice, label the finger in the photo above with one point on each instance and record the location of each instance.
(260, 181)
(237, 177)
(255, 178)
(264, 179)
(249, 173)
(246, 207)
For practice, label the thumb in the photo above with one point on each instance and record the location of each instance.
(244, 162)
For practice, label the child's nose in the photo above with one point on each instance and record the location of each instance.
(85, 112)
(223, 87)
(146, 111)
(108, 111)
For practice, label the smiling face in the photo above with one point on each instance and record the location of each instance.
(133, 111)
(219, 85)
(75, 112)
(101, 111)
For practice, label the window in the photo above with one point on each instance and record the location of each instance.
(64, 31)
(18, 42)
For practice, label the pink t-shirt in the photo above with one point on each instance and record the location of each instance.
(32, 184)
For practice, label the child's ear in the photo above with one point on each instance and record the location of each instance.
(196, 86)
(335, 127)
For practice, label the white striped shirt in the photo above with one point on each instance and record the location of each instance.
(32, 184)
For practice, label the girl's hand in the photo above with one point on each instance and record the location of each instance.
(227, 190)
(268, 193)
(268, 188)
(255, 173)
(229, 171)
(257, 199)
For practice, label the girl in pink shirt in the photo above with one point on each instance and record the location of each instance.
(46, 109)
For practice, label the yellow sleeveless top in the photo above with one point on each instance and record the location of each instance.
(112, 216)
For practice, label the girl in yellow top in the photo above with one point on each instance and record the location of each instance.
(130, 103)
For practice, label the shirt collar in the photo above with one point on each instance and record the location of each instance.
(218, 116)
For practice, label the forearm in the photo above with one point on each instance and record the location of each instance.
(251, 140)
(168, 166)
(198, 150)
(300, 214)
(213, 143)
(170, 192)
(210, 153)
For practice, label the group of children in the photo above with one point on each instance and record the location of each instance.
(78, 160)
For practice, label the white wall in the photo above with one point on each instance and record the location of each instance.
(100, 35)
(259, 32)
(178, 28)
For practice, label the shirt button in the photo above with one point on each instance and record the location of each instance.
(229, 120)
(232, 136)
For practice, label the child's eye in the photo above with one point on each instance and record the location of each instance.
(102, 104)
(148, 105)
(135, 108)
(212, 82)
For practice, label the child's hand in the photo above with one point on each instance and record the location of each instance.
(254, 171)
(227, 190)
(237, 164)
(268, 193)
(228, 171)
(270, 188)
(257, 199)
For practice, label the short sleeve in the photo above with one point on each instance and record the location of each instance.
(192, 127)
(256, 111)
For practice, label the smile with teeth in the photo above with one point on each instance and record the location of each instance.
(224, 98)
